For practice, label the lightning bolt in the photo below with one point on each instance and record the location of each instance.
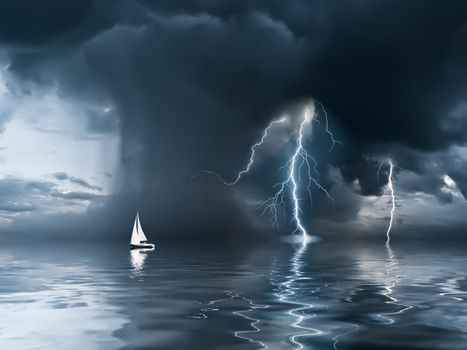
(300, 158)
(301, 162)
(251, 160)
(393, 200)
(331, 135)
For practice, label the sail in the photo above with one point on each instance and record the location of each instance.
(135, 238)
(142, 236)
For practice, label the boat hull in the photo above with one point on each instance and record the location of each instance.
(142, 246)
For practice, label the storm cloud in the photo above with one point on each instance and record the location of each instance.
(191, 84)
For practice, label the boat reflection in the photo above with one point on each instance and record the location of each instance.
(137, 259)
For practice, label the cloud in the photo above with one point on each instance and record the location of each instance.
(20, 198)
(17, 208)
(102, 121)
(191, 84)
(36, 24)
(61, 176)
(64, 176)
(82, 196)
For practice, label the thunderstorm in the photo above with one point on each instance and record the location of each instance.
(301, 161)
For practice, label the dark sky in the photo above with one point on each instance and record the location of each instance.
(189, 85)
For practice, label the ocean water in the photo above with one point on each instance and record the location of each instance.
(327, 295)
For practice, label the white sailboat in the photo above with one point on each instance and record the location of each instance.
(138, 238)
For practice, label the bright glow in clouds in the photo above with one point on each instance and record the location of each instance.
(450, 187)
(300, 162)
(449, 181)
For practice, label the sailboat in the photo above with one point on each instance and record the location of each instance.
(138, 238)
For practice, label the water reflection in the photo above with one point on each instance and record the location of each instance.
(336, 339)
(390, 283)
(49, 305)
(137, 259)
(208, 306)
(292, 292)
(254, 322)
(236, 298)
(324, 296)
(452, 288)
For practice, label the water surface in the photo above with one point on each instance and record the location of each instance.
(323, 296)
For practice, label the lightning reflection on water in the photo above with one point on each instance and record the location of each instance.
(231, 296)
(392, 279)
(289, 293)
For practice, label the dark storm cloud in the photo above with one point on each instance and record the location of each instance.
(77, 181)
(358, 168)
(193, 83)
(420, 171)
(36, 23)
(385, 83)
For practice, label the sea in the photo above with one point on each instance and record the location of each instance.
(325, 295)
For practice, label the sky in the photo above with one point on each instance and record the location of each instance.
(108, 107)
